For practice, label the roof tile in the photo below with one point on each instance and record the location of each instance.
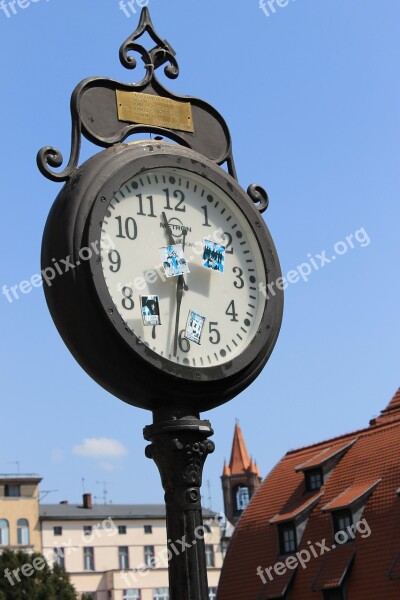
(373, 456)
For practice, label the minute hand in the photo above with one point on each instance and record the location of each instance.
(179, 294)
(172, 242)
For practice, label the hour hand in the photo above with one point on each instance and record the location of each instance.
(171, 240)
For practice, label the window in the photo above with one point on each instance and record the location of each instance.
(149, 556)
(210, 559)
(87, 529)
(287, 538)
(212, 593)
(242, 497)
(342, 522)
(131, 595)
(23, 532)
(335, 594)
(207, 528)
(161, 594)
(88, 559)
(123, 557)
(314, 480)
(224, 547)
(4, 533)
(148, 529)
(122, 529)
(12, 490)
(59, 557)
(57, 530)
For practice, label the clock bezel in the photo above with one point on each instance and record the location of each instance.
(176, 157)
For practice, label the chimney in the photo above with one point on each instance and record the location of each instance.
(87, 500)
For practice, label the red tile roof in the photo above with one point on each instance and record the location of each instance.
(322, 457)
(277, 587)
(351, 495)
(298, 511)
(394, 572)
(391, 412)
(334, 568)
(375, 455)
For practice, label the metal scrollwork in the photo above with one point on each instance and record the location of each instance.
(259, 196)
(153, 59)
(195, 456)
(49, 158)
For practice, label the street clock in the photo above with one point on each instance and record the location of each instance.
(170, 310)
(162, 299)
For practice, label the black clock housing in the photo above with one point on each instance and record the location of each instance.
(86, 317)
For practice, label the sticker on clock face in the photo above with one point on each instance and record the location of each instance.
(194, 327)
(150, 308)
(173, 260)
(213, 256)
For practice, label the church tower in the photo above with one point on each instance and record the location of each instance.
(240, 479)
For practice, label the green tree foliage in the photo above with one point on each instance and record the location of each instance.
(40, 582)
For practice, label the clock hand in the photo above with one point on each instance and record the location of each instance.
(180, 285)
(184, 234)
(179, 293)
(172, 242)
(168, 228)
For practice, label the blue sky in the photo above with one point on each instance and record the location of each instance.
(310, 93)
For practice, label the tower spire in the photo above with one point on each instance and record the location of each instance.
(240, 460)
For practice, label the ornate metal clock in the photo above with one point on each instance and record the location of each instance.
(163, 304)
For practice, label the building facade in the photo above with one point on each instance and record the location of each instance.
(19, 513)
(118, 552)
(325, 523)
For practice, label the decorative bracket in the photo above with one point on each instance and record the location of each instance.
(97, 113)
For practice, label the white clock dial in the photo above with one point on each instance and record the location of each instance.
(147, 213)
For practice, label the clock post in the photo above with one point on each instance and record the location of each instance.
(176, 338)
(179, 448)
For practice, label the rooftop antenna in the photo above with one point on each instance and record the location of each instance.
(105, 491)
(44, 493)
(15, 462)
(209, 495)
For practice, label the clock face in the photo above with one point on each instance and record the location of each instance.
(182, 267)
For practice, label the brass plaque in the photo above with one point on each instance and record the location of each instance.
(136, 107)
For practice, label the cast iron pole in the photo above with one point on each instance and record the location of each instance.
(179, 447)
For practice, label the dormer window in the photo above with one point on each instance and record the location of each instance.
(342, 523)
(292, 523)
(314, 480)
(287, 538)
(319, 467)
(347, 508)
